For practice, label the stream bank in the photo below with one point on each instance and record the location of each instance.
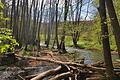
(26, 67)
(91, 56)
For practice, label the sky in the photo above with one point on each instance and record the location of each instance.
(87, 7)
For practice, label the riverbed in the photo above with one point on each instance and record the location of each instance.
(91, 56)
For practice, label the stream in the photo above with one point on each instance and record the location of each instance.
(10, 73)
(91, 56)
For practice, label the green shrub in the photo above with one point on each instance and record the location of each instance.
(7, 41)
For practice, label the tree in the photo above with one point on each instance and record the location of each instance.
(5, 11)
(12, 13)
(40, 21)
(114, 23)
(76, 32)
(50, 25)
(62, 43)
(56, 28)
(105, 40)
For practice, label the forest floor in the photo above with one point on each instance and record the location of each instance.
(26, 67)
(10, 70)
(45, 53)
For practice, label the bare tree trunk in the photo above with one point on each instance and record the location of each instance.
(5, 11)
(29, 22)
(105, 41)
(114, 23)
(17, 20)
(12, 11)
(49, 27)
(56, 28)
(62, 44)
(39, 26)
(76, 34)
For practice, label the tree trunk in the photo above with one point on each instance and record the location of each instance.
(56, 31)
(105, 40)
(5, 11)
(62, 44)
(49, 26)
(114, 23)
(75, 37)
(41, 14)
(12, 10)
(76, 34)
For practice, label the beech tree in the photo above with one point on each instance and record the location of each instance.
(105, 40)
(56, 26)
(62, 43)
(114, 23)
(40, 21)
(76, 33)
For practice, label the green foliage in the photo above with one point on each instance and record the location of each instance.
(7, 41)
(1, 13)
(1, 6)
(2, 18)
(117, 8)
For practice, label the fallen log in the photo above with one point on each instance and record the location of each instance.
(20, 77)
(98, 64)
(63, 63)
(118, 60)
(68, 67)
(101, 70)
(94, 78)
(47, 73)
(62, 76)
(30, 76)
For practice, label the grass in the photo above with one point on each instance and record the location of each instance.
(84, 42)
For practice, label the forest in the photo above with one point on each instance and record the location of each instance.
(59, 40)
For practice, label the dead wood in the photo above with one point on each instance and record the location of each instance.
(98, 64)
(63, 63)
(20, 77)
(62, 76)
(66, 68)
(94, 78)
(30, 76)
(118, 60)
(47, 73)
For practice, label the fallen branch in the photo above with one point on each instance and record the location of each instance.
(98, 64)
(94, 78)
(20, 77)
(47, 73)
(62, 76)
(63, 63)
(66, 69)
(118, 60)
(31, 76)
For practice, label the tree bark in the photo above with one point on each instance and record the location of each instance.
(62, 76)
(105, 40)
(47, 73)
(56, 29)
(62, 44)
(114, 23)
(39, 27)
(12, 11)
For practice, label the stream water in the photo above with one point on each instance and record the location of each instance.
(89, 55)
